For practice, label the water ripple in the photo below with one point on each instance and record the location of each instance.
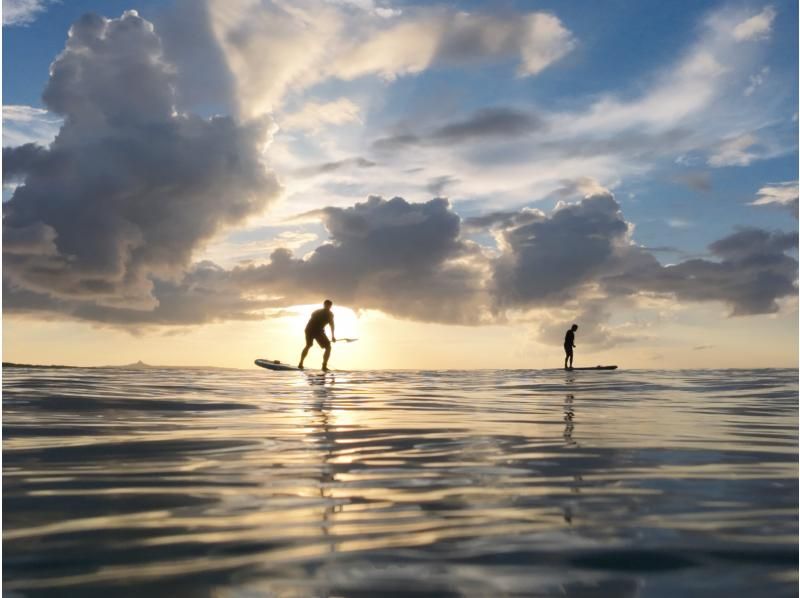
(488, 483)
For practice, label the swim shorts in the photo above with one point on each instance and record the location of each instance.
(320, 337)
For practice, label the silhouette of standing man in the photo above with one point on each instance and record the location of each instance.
(315, 331)
(569, 343)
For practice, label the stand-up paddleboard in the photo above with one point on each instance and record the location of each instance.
(597, 367)
(274, 364)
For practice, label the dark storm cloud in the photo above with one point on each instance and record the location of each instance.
(18, 161)
(488, 123)
(129, 188)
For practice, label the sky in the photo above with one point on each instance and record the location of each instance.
(185, 181)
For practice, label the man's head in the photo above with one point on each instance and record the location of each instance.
(328, 304)
(574, 327)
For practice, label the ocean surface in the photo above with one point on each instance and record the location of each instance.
(244, 483)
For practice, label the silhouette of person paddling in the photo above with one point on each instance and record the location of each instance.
(569, 344)
(315, 331)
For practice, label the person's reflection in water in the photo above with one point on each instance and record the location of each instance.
(569, 415)
(570, 442)
(324, 432)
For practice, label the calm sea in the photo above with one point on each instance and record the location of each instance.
(223, 483)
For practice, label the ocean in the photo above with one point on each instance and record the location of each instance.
(241, 483)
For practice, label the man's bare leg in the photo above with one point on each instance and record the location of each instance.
(325, 357)
(303, 356)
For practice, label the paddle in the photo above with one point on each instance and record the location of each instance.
(345, 340)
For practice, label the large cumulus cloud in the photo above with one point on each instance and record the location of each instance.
(407, 259)
(749, 272)
(585, 250)
(130, 188)
(413, 260)
(545, 259)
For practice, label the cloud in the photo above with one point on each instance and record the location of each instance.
(734, 151)
(402, 258)
(750, 272)
(579, 187)
(205, 294)
(679, 223)
(26, 124)
(691, 107)
(697, 180)
(437, 185)
(313, 115)
(327, 167)
(370, 6)
(22, 12)
(592, 316)
(201, 75)
(487, 123)
(756, 27)
(504, 219)
(275, 49)
(130, 188)
(18, 161)
(783, 194)
(546, 260)
(756, 81)
(585, 249)
(235, 250)
(688, 106)
(412, 260)
(443, 37)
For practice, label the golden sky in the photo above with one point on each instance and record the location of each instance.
(388, 343)
(272, 154)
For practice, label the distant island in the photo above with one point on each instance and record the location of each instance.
(139, 365)
(8, 364)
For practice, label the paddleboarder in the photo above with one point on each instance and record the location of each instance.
(315, 331)
(569, 344)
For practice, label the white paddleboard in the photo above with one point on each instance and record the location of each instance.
(597, 367)
(274, 364)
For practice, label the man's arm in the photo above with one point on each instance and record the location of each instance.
(333, 330)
